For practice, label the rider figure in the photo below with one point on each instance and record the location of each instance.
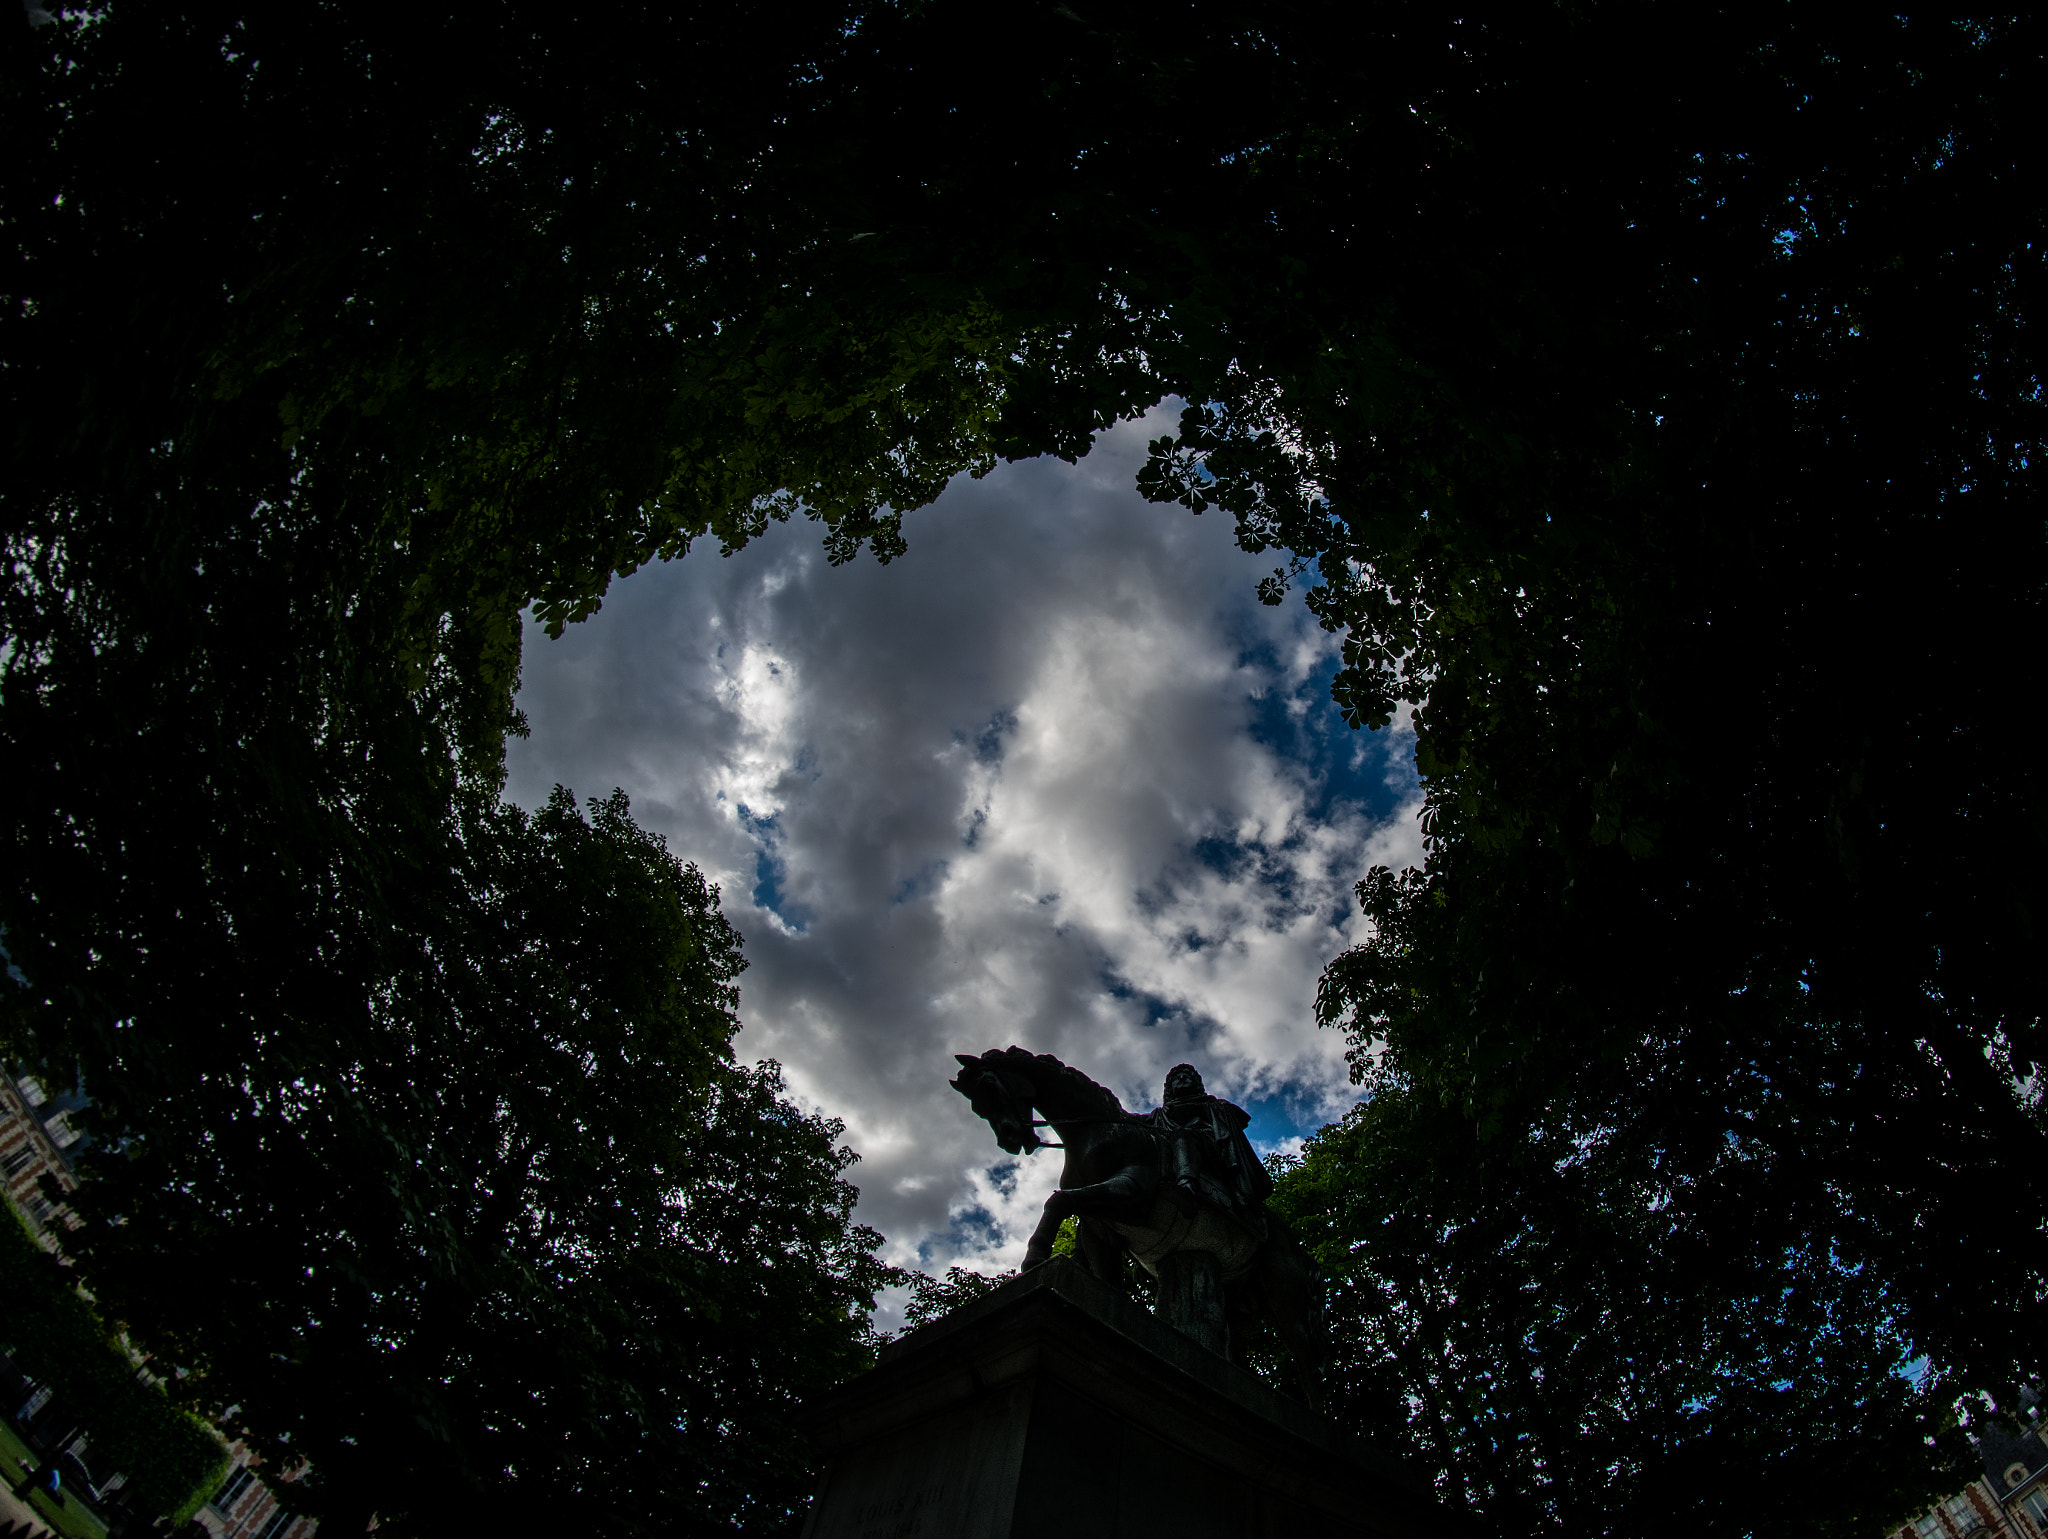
(1208, 1155)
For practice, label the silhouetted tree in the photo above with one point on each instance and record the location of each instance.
(1575, 1332)
(526, 1234)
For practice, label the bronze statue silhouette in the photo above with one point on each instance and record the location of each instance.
(1167, 1187)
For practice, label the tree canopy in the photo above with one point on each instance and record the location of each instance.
(525, 1234)
(1575, 1332)
(1689, 484)
(170, 1463)
(1714, 586)
(1651, 400)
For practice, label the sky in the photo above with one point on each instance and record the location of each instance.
(1053, 778)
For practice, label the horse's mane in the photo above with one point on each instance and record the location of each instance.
(1101, 1101)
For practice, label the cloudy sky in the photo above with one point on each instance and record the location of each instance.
(1054, 778)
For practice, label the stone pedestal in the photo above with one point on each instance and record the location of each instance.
(1054, 1406)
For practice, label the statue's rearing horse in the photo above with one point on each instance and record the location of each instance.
(1115, 1183)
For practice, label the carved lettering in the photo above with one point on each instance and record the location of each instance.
(899, 1517)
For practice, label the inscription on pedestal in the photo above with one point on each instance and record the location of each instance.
(904, 1518)
(1191, 1297)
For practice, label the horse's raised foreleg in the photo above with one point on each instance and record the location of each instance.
(1127, 1195)
(1103, 1249)
(1038, 1249)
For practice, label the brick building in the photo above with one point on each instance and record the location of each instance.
(2009, 1502)
(36, 1139)
(245, 1508)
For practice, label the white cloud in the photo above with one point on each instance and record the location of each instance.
(1053, 778)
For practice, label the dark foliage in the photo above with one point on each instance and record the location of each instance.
(1579, 1333)
(526, 1234)
(1653, 398)
(171, 1461)
(932, 1298)
(1713, 561)
(1677, 447)
(416, 1114)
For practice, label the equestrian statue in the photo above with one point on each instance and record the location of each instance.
(1178, 1188)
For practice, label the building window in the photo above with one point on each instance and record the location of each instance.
(238, 1481)
(16, 1158)
(280, 1520)
(31, 1092)
(2036, 1503)
(1929, 1526)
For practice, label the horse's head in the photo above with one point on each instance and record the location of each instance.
(1001, 1097)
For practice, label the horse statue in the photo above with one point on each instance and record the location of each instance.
(1170, 1189)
